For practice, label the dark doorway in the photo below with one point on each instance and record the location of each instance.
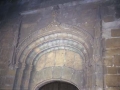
(58, 86)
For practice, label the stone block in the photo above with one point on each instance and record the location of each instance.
(9, 81)
(39, 76)
(5, 53)
(113, 43)
(3, 72)
(112, 52)
(3, 66)
(50, 59)
(4, 60)
(48, 73)
(118, 70)
(78, 62)
(60, 58)
(108, 18)
(67, 73)
(2, 81)
(99, 80)
(41, 63)
(77, 78)
(108, 61)
(57, 72)
(112, 70)
(29, 18)
(11, 72)
(117, 60)
(112, 80)
(113, 88)
(115, 32)
(69, 59)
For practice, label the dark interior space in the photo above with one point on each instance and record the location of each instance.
(58, 86)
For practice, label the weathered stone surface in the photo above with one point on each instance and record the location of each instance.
(48, 73)
(112, 80)
(112, 70)
(78, 63)
(108, 61)
(87, 17)
(41, 63)
(117, 60)
(9, 81)
(108, 18)
(111, 52)
(50, 59)
(57, 72)
(2, 81)
(69, 59)
(60, 58)
(113, 88)
(113, 43)
(3, 72)
(3, 66)
(11, 72)
(115, 32)
(67, 73)
(118, 70)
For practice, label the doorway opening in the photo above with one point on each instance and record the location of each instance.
(57, 85)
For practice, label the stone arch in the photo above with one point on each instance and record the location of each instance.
(52, 37)
(72, 32)
(61, 71)
(50, 81)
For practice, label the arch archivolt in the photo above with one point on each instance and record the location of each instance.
(54, 53)
(39, 85)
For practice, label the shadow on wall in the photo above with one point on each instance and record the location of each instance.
(58, 86)
(117, 8)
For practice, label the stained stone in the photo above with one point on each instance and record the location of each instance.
(69, 59)
(57, 72)
(112, 80)
(60, 57)
(117, 60)
(67, 73)
(48, 73)
(115, 32)
(41, 63)
(50, 59)
(113, 43)
(60, 28)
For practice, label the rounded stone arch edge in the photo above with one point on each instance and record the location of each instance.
(60, 27)
(35, 46)
(40, 84)
(52, 29)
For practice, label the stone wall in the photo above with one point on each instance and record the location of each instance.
(7, 37)
(95, 18)
(111, 43)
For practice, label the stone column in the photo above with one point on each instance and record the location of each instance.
(26, 77)
(18, 77)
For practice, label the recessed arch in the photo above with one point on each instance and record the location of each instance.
(77, 35)
(29, 48)
(44, 41)
(40, 85)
